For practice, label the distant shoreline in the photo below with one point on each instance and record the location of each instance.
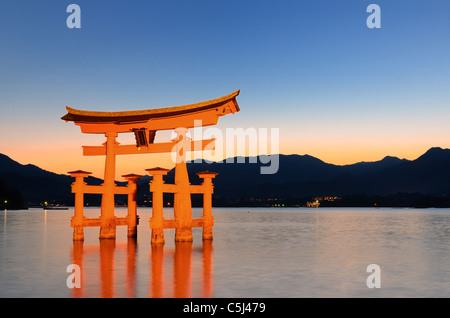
(248, 207)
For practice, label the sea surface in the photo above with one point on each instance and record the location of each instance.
(256, 252)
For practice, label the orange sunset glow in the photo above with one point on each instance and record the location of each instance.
(65, 156)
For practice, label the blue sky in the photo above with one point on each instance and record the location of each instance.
(335, 88)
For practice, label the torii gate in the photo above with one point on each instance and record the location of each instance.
(144, 124)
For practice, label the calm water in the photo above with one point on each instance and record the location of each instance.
(255, 253)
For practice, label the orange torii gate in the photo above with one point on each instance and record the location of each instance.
(144, 124)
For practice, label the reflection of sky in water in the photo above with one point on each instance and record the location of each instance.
(255, 253)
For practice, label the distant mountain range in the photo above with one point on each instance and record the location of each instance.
(299, 177)
(37, 185)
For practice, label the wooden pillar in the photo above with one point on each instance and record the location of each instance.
(132, 208)
(182, 198)
(108, 220)
(208, 219)
(78, 189)
(157, 219)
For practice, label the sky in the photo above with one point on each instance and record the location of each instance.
(333, 87)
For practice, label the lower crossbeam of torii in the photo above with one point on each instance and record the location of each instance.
(144, 124)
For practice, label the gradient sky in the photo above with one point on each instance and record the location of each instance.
(336, 89)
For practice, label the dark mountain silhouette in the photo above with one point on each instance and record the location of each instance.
(428, 174)
(10, 198)
(34, 183)
(298, 176)
(37, 185)
(292, 168)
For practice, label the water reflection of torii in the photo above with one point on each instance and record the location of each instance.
(182, 269)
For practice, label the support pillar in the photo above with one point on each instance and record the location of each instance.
(157, 219)
(132, 208)
(208, 219)
(108, 220)
(182, 198)
(78, 189)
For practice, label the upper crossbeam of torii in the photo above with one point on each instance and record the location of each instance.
(144, 124)
(154, 119)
